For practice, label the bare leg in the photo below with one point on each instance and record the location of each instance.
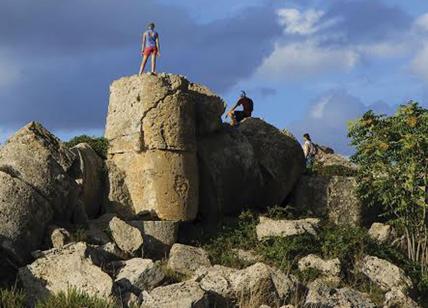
(143, 64)
(153, 62)
(233, 119)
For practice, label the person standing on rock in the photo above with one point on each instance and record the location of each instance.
(310, 150)
(236, 116)
(150, 47)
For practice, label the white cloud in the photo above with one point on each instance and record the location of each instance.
(296, 22)
(305, 59)
(419, 64)
(421, 23)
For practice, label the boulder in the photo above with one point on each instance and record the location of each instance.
(381, 233)
(151, 127)
(284, 228)
(385, 274)
(20, 206)
(139, 274)
(248, 256)
(89, 174)
(396, 298)
(186, 294)
(326, 267)
(216, 281)
(254, 165)
(159, 236)
(59, 237)
(34, 186)
(322, 294)
(58, 270)
(98, 228)
(330, 196)
(128, 238)
(186, 259)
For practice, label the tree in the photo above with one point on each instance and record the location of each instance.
(392, 152)
(98, 144)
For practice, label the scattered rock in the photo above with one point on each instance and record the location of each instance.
(331, 196)
(396, 298)
(128, 238)
(60, 269)
(322, 294)
(59, 237)
(381, 233)
(107, 253)
(186, 294)
(129, 299)
(159, 236)
(385, 274)
(186, 260)
(98, 229)
(139, 274)
(284, 228)
(248, 256)
(89, 174)
(326, 267)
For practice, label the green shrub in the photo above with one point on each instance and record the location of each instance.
(98, 144)
(12, 298)
(74, 299)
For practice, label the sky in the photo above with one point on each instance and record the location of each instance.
(309, 65)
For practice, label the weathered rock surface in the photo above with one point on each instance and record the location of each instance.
(159, 236)
(396, 298)
(333, 197)
(321, 294)
(381, 233)
(128, 238)
(284, 228)
(186, 259)
(61, 269)
(248, 256)
(326, 157)
(326, 267)
(151, 126)
(186, 294)
(385, 274)
(89, 174)
(139, 274)
(216, 280)
(35, 186)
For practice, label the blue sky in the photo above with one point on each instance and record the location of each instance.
(309, 65)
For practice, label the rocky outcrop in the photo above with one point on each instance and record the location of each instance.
(151, 127)
(396, 298)
(157, 124)
(385, 274)
(330, 196)
(326, 267)
(35, 187)
(284, 228)
(89, 172)
(186, 259)
(61, 269)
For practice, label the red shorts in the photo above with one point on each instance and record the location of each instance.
(150, 50)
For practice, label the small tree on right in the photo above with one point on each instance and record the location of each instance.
(392, 154)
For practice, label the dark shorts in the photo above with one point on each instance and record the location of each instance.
(150, 50)
(240, 115)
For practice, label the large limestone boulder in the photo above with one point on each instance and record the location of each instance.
(128, 238)
(268, 227)
(385, 274)
(35, 187)
(254, 165)
(89, 174)
(186, 259)
(58, 270)
(151, 127)
(330, 196)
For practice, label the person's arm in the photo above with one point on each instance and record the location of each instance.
(306, 149)
(158, 44)
(233, 108)
(144, 42)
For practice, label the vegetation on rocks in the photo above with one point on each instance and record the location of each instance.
(98, 144)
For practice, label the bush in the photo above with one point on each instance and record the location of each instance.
(74, 299)
(98, 144)
(12, 298)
